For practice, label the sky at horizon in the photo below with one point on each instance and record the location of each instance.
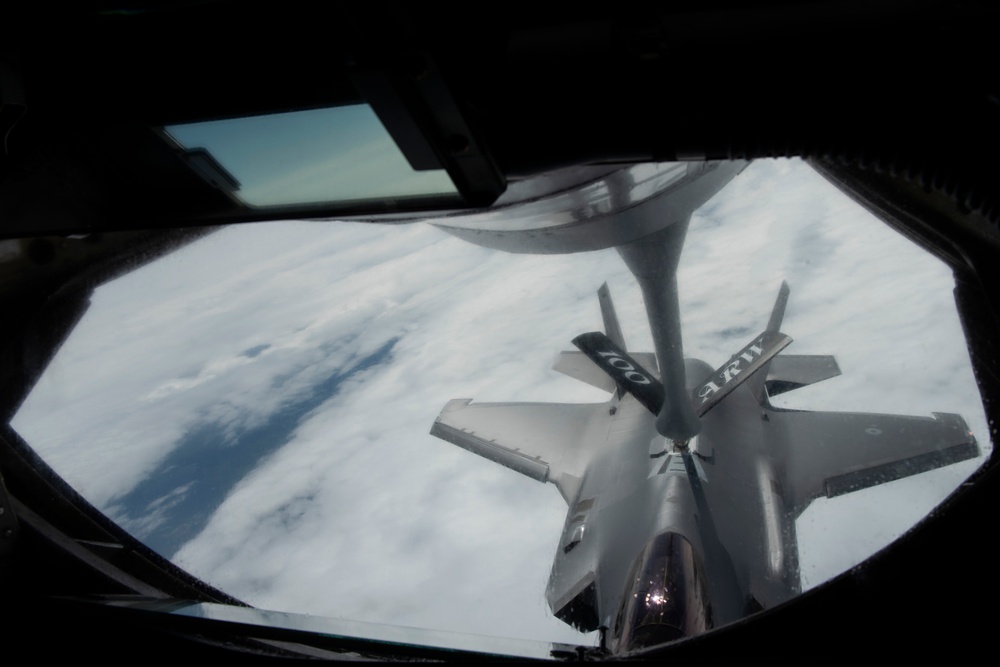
(257, 405)
(318, 155)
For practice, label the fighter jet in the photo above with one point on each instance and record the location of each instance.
(684, 486)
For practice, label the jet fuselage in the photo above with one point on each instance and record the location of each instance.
(639, 488)
(684, 487)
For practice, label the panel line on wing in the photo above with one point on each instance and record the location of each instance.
(543, 441)
(514, 459)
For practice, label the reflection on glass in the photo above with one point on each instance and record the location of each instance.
(665, 597)
(301, 157)
(257, 406)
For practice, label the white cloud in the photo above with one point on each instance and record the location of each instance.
(362, 514)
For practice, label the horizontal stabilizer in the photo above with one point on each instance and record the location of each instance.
(578, 366)
(740, 367)
(544, 441)
(627, 372)
(791, 371)
(833, 453)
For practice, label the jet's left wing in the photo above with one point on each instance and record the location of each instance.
(549, 442)
(833, 453)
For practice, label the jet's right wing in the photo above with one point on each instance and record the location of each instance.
(549, 442)
(833, 453)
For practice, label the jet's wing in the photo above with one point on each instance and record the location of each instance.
(832, 453)
(549, 442)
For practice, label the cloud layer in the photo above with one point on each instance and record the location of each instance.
(307, 361)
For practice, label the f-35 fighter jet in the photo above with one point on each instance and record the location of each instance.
(684, 486)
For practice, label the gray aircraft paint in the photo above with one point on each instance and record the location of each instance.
(732, 492)
(644, 213)
(724, 489)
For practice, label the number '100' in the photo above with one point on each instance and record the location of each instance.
(631, 374)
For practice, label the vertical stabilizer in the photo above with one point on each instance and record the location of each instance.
(756, 383)
(778, 312)
(611, 327)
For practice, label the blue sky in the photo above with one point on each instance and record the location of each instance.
(329, 154)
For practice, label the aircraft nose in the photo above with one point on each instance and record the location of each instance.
(666, 597)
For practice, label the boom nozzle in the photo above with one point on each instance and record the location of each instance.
(678, 424)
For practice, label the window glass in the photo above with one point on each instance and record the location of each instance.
(257, 406)
(302, 157)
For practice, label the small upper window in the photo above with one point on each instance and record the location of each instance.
(336, 154)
